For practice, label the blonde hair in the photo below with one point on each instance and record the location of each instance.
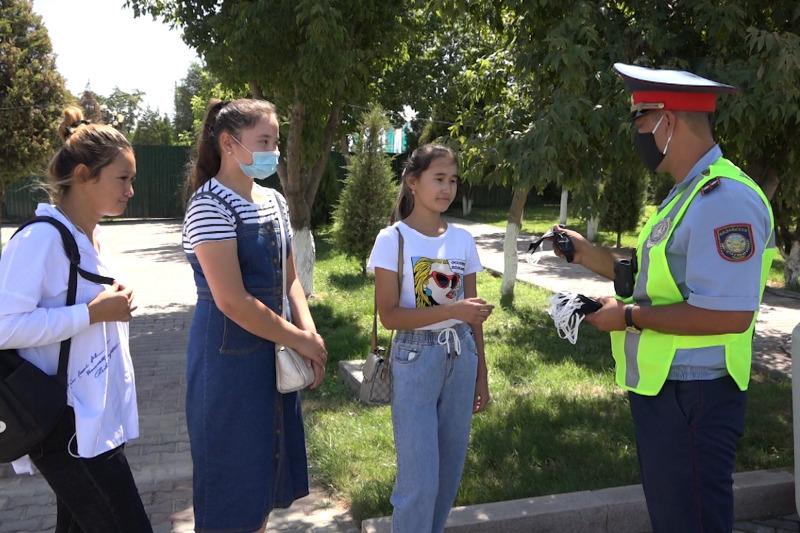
(93, 145)
(422, 271)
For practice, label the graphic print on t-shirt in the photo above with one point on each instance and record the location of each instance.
(437, 281)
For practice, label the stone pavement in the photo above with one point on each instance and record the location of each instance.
(785, 524)
(779, 313)
(152, 263)
(154, 266)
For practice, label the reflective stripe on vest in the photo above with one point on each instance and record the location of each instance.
(643, 360)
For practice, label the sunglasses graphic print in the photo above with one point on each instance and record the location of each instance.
(446, 280)
(437, 282)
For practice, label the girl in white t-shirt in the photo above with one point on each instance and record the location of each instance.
(83, 459)
(438, 365)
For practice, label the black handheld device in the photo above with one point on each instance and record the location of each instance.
(625, 275)
(561, 242)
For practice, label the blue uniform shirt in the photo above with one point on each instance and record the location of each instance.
(706, 276)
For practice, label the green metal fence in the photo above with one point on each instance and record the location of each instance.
(159, 188)
(158, 192)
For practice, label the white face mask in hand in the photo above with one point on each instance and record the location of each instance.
(568, 309)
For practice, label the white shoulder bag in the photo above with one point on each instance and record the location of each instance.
(292, 372)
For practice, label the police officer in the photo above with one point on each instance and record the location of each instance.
(682, 342)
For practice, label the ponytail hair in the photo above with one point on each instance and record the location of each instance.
(92, 145)
(417, 163)
(232, 117)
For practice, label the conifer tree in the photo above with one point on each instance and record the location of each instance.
(31, 94)
(369, 193)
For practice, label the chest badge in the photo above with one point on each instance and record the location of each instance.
(659, 231)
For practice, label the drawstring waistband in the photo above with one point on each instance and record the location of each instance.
(444, 340)
(449, 337)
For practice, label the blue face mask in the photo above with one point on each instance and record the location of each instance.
(264, 163)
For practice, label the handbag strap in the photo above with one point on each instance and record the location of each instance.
(74, 257)
(374, 336)
(284, 297)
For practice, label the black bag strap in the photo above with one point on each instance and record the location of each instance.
(74, 257)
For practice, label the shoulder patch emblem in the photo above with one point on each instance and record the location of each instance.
(710, 186)
(734, 242)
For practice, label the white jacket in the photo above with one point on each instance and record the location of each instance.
(34, 319)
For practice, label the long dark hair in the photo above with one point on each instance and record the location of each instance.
(417, 163)
(233, 117)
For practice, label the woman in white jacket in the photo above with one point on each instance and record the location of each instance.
(83, 459)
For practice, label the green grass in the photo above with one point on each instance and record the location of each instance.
(557, 423)
(776, 278)
(539, 219)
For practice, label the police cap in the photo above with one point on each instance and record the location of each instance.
(675, 90)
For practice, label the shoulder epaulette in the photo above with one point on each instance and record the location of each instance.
(710, 186)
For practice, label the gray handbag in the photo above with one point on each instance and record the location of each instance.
(376, 387)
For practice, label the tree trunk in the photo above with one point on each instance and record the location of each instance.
(466, 205)
(510, 244)
(466, 199)
(562, 216)
(300, 186)
(344, 148)
(255, 91)
(591, 228)
(791, 271)
(770, 183)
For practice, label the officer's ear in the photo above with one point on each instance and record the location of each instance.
(670, 120)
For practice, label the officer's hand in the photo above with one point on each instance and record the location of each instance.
(610, 317)
(578, 240)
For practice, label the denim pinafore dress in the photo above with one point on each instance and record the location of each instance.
(247, 439)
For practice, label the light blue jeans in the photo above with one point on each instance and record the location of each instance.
(433, 391)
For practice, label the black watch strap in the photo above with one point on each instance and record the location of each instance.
(629, 317)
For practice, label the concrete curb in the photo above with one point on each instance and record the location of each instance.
(757, 494)
(614, 510)
(350, 372)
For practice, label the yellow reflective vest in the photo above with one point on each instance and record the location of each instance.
(643, 359)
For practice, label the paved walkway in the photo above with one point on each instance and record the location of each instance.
(154, 266)
(156, 269)
(779, 314)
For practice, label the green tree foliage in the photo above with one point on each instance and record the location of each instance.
(330, 188)
(122, 109)
(622, 200)
(311, 58)
(153, 129)
(211, 88)
(191, 100)
(547, 107)
(31, 93)
(755, 46)
(188, 87)
(366, 202)
(544, 105)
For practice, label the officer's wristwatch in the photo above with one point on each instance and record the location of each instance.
(629, 323)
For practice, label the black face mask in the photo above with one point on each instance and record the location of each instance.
(647, 149)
